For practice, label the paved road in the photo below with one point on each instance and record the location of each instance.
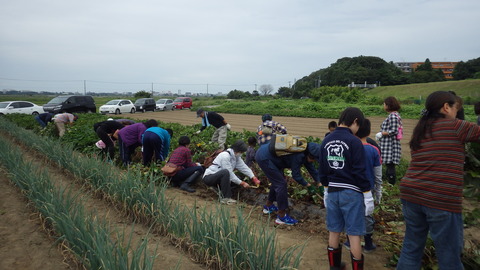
(315, 127)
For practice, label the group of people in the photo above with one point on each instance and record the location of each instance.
(430, 191)
(154, 140)
(349, 169)
(60, 119)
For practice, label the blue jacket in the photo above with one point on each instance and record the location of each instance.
(164, 136)
(293, 161)
(343, 161)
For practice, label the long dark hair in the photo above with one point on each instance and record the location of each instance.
(433, 104)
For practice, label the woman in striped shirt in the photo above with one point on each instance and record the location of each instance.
(431, 190)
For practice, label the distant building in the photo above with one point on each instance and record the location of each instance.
(405, 66)
(446, 67)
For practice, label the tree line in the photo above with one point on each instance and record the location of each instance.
(360, 69)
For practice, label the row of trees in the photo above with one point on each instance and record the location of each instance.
(370, 69)
(467, 70)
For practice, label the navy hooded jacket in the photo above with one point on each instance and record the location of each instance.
(293, 161)
(343, 161)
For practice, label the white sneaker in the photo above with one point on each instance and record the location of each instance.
(228, 201)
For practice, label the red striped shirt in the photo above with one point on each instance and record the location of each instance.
(435, 175)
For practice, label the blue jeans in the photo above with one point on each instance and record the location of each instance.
(446, 231)
(346, 212)
(278, 190)
(40, 121)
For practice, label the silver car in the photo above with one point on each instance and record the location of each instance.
(165, 104)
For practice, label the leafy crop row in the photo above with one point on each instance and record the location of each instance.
(84, 234)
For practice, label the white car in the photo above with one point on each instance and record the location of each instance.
(25, 107)
(165, 104)
(118, 106)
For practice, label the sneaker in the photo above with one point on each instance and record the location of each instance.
(287, 220)
(228, 201)
(269, 209)
(368, 249)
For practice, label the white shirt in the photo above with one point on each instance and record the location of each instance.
(228, 160)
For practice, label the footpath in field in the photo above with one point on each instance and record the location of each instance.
(23, 243)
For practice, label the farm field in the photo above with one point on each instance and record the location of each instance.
(315, 127)
(43, 251)
(24, 247)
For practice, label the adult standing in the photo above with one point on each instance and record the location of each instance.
(220, 173)
(432, 189)
(273, 167)
(389, 144)
(269, 128)
(130, 137)
(190, 171)
(216, 120)
(105, 131)
(156, 140)
(61, 119)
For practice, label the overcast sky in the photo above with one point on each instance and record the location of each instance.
(219, 45)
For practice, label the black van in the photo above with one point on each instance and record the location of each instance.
(71, 104)
(145, 104)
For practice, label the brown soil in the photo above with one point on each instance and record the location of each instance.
(315, 127)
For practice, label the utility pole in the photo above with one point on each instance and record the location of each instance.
(84, 87)
(207, 89)
(152, 89)
(293, 89)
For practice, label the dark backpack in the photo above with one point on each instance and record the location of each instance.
(209, 160)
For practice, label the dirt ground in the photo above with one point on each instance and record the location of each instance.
(315, 127)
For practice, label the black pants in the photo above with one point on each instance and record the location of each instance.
(182, 175)
(391, 174)
(110, 147)
(220, 179)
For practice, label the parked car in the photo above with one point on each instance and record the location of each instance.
(145, 104)
(71, 104)
(183, 102)
(118, 106)
(25, 107)
(165, 104)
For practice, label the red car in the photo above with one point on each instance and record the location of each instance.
(182, 102)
